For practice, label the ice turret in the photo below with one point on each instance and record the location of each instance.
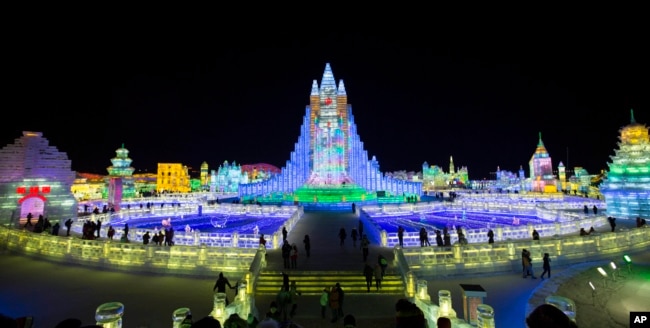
(314, 88)
(341, 91)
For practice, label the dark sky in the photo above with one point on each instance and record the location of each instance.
(415, 97)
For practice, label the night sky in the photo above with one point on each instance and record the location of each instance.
(482, 100)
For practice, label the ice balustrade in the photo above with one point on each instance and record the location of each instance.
(505, 257)
(560, 221)
(211, 239)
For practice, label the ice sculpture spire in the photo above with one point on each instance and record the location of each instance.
(632, 121)
(541, 143)
(328, 78)
(341, 91)
(314, 88)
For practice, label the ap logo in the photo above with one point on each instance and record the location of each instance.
(639, 319)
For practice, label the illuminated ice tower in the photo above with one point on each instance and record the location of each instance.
(329, 163)
(627, 186)
(541, 169)
(120, 178)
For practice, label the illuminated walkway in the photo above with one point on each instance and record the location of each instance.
(52, 292)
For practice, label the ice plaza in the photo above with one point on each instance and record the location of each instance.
(330, 183)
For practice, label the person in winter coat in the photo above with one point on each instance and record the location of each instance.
(368, 272)
(294, 256)
(334, 303)
(324, 302)
(546, 266)
(378, 276)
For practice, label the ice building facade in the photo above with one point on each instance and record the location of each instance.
(329, 157)
(541, 169)
(35, 178)
(626, 188)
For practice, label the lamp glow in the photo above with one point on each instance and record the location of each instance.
(592, 286)
(602, 272)
(613, 265)
(627, 259)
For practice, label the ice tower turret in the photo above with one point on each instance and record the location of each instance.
(626, 187)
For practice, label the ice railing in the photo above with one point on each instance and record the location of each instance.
(290, 215)
(558, 218)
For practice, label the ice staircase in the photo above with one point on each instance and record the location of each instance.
(313, 282)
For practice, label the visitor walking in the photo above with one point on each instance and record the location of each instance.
(220, 285)
(354, 236)
(378, 276)
(400, 235)
(546, 266)
(294, 256)
(383, 263)
(365, 243)
(334, 303)
(368, 272)
(284, 233)
(535, 234)
(342, 235)
(307, 243)
(490, 236)
(286, 254)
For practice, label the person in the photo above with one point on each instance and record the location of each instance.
(443, 322)
(29, 219)
(426, 238)
(294, 292)
(585, 209)
(324, 302)
(341, 298)
(286, 254)
(595, 209)
(99, 227)
(360, 229)
(612, 222)
(547, 315)
(284, 233)
(354, 236)
(446, 237)
(235, 321)
(383, 263)
(294, 256)
(354, 208)
(368, 272)
(439, 241)
(546, 266)
(145, 238)
(307, 243)
(535, 234)
(583, 232)
(349, 321)
(110, 234)
(591, 230)
(422, 234)
(262, 240)
(220, 285)
(252, 320)
(206, 322)
(273, 313)
(55, 229)
(408, 315)
(365, 243)
(285, 280)
(528, 265)
(490, 236)
(334, 303)
(400, 235)
(68, 225)
(126, 230)
(342, 235)
(378, 276)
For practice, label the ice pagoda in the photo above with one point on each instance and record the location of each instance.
(626, 187)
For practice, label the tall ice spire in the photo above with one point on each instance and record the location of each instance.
(341, 91)
(632, 120)
(314, 88)
(540, 143)
(328, 78)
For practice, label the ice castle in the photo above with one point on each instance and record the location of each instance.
(329, 163)
(627, 186)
